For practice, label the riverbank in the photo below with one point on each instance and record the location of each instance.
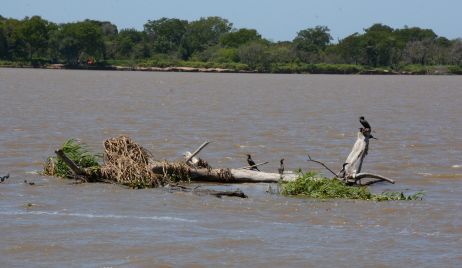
(211, 67)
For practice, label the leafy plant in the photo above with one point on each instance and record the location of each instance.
(312, 185)
(78, 153)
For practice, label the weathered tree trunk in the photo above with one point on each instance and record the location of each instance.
(354, 161)
(226, 175)
(351, 172)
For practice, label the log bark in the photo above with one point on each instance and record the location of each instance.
(226, 175)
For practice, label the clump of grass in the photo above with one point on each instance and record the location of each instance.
(312, 185)
(78, 153)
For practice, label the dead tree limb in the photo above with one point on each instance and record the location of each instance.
(191, 155)
(73, 166)
(226, 175)
(322, 164)
(351, 171)
(219, 194)
(360, 176)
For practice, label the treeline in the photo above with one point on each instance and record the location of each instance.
(214, 42)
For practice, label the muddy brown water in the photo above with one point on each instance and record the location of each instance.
(417, 120)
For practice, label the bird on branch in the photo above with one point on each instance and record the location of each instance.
(365, 124)
(367, 127)
(251, 163)
(281, 168)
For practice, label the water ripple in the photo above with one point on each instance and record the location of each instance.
(104, 216)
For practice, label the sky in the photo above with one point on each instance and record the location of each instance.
(277, 20)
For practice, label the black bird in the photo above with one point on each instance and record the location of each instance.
(2, 179)
(365, 123)
(341, 173)
(251, 163)
(281, 168)
(367, 127)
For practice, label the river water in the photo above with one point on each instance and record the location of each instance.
(417, 120)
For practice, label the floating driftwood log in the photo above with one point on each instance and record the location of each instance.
(127, 163)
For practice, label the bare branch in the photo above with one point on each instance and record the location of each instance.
(360, 176)
(195, 190)
(370, 182)
(322, 164)
(73, 166)
(197, 151)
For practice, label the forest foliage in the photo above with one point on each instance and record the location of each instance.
(213, 41)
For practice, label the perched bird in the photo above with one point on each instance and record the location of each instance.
(2, 179)
(365, 123)
(281, 168)
(251, 163)
(367, 127)
(341, 173)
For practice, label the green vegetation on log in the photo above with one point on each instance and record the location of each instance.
(78, 153)
(127, 164)
(311, 185)
(212, 42)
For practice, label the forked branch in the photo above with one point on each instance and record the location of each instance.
(322, 164)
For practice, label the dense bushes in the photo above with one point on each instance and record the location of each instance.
(212, 42)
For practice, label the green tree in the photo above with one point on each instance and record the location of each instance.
(129, 44)
(203, 33)
(351, 49)
(165, 34)
(79, 39)
(16, 47)
(456, 52)
(255, 55)
(3, 43)
(239, 37)
(412, 34)
(380, 45)
(282, 52)
(35, 32)
(310, 42)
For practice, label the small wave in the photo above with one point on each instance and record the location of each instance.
(104, 216)
(456, 166)
(425, 174)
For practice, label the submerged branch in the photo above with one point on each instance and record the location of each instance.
(196, 190)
